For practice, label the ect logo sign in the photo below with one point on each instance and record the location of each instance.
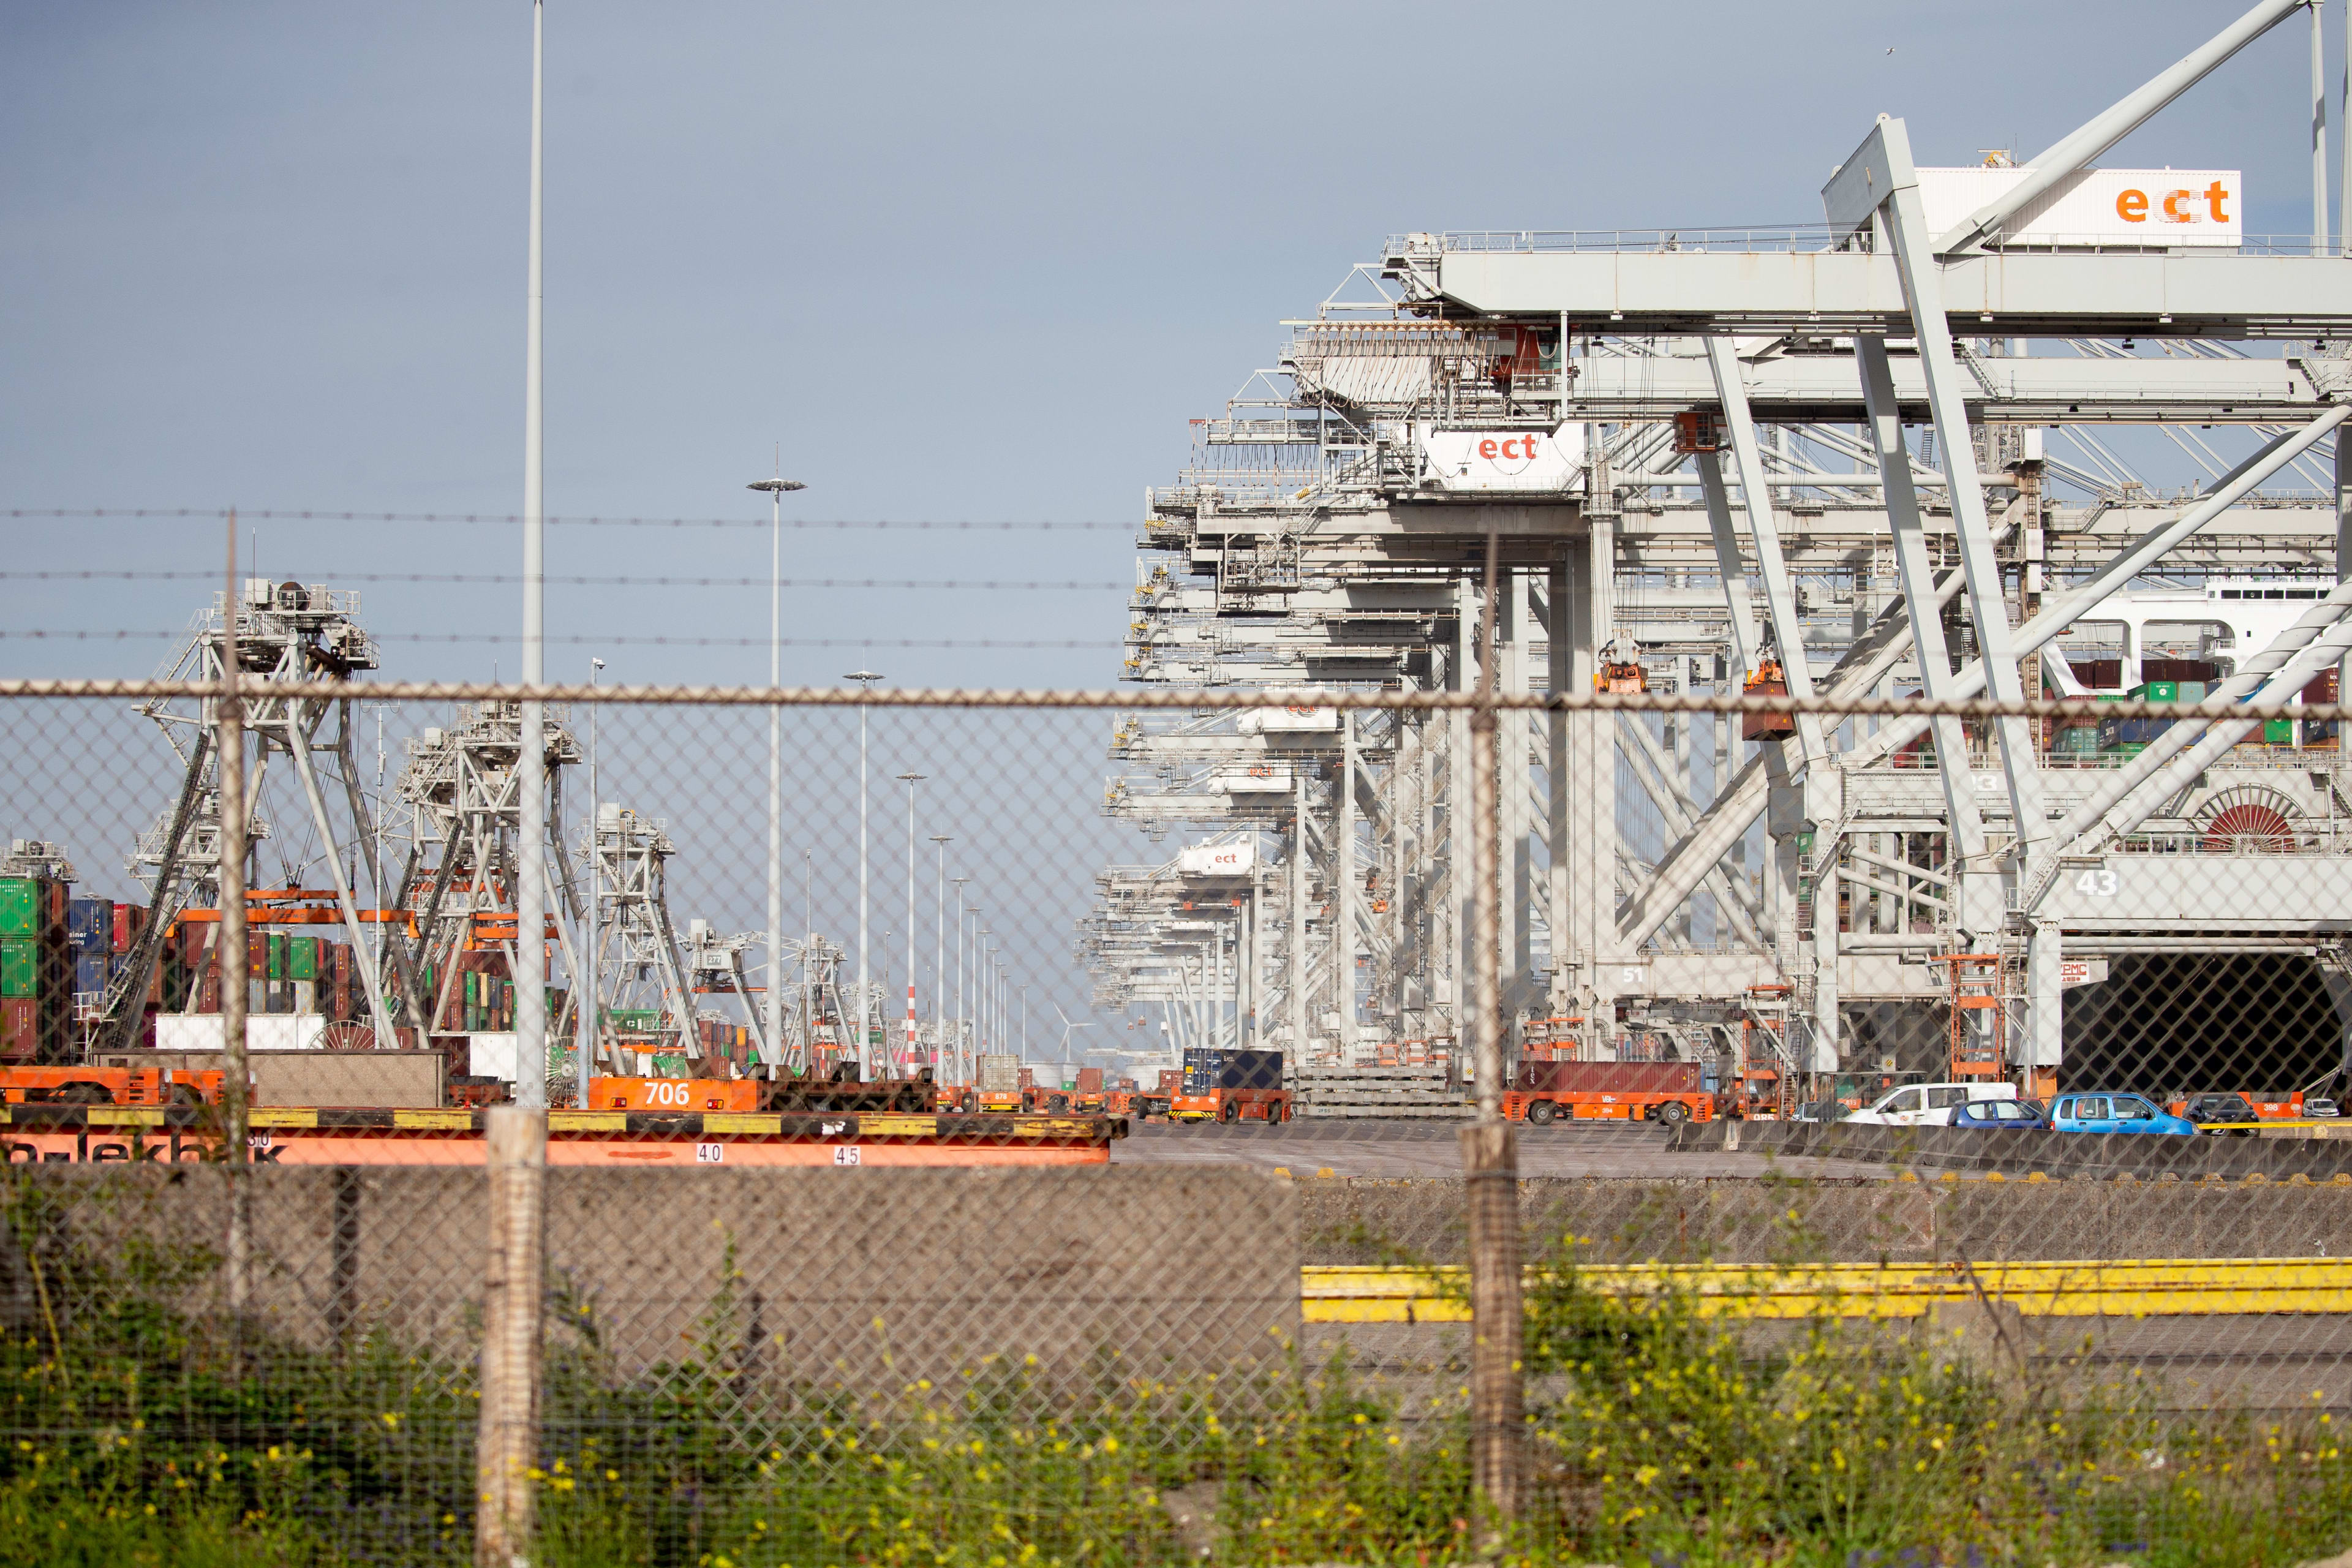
(1525, 460)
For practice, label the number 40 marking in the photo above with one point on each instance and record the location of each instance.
(2099, 884)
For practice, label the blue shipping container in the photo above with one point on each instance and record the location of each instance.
(89, 922)
(90, 969)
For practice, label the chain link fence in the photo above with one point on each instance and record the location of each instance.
(1018, 1127)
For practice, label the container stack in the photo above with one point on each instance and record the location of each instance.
(37, 969)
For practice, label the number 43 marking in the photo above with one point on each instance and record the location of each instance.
(2099, 884)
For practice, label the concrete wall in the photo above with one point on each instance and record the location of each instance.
(865, 1278)
(1366, 1220)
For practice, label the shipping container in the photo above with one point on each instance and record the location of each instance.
(20, 906)
(302, 958)
(20, 1028)
(1000, 1074)
(2179, 670)
(1249, 1069)
(2278, 731)
(89, 924)
(2157, 691)
(1607, 1078)
(20, 966)
(89, 971)
(277, 959)
(2098, 673)
(1089, 1081)
(129, 924)
(2322, 687)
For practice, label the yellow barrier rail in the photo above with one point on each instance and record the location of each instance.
(2143, 1288)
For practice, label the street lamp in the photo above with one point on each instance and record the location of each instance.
(939, 958)
(865, 996)
(591, 1014)
(773, 1011)
(910, 779)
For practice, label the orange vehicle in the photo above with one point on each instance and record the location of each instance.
(1663, 1092)
(108, 1086)
(681, 1094)
(1230, 1086)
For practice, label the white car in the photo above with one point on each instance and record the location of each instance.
(1927, 1104)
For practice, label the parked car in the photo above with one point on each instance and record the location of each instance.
(2215, 1109)
(1928, 1104)
(2112, 1112)
(2011, 1113)
(2320, 1105)
(1829, 1109)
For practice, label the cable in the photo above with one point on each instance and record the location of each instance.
(35, 635)
(473, 577)
(850, 525)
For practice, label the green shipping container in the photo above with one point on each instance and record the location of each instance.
(276, 970)
(2158, 692)
(303, 962)
(2278, 731)
(20, 966)
(20, 906)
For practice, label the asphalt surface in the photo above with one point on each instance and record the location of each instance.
(1412, 1148)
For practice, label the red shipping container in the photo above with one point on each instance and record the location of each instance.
(20, 1028)
(208, 992)
(129, 922)
(1171, 1080)
(1607, 1078)
(2322, 687)
(1091, 1081)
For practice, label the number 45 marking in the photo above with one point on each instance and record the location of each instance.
(2099, 884)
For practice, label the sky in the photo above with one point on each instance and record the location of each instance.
(958, 263)
(947, 264)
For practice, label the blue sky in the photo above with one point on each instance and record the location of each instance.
(961, 262)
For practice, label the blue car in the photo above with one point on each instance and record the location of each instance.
(2115, 1113)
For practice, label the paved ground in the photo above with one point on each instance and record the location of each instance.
(1353, 1148)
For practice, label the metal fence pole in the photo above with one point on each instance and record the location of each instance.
(506, 1444)
(238, 1253)
(1489, 1152)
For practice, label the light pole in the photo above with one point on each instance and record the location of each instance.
(983, 1022)
(865, 996)
(940, 962)
(773, 1008)
(910, 779)
(963, 1043)
(530, 763)
(589, 1014)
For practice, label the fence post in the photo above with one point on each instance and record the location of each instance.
(1489, 1153)
(229, 716)
(506, 1446)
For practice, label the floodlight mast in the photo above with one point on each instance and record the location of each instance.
(772, 1008)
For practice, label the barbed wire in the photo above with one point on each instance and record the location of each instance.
(1259, 698)
(927, 525)
(21, 634)
(469, 578)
